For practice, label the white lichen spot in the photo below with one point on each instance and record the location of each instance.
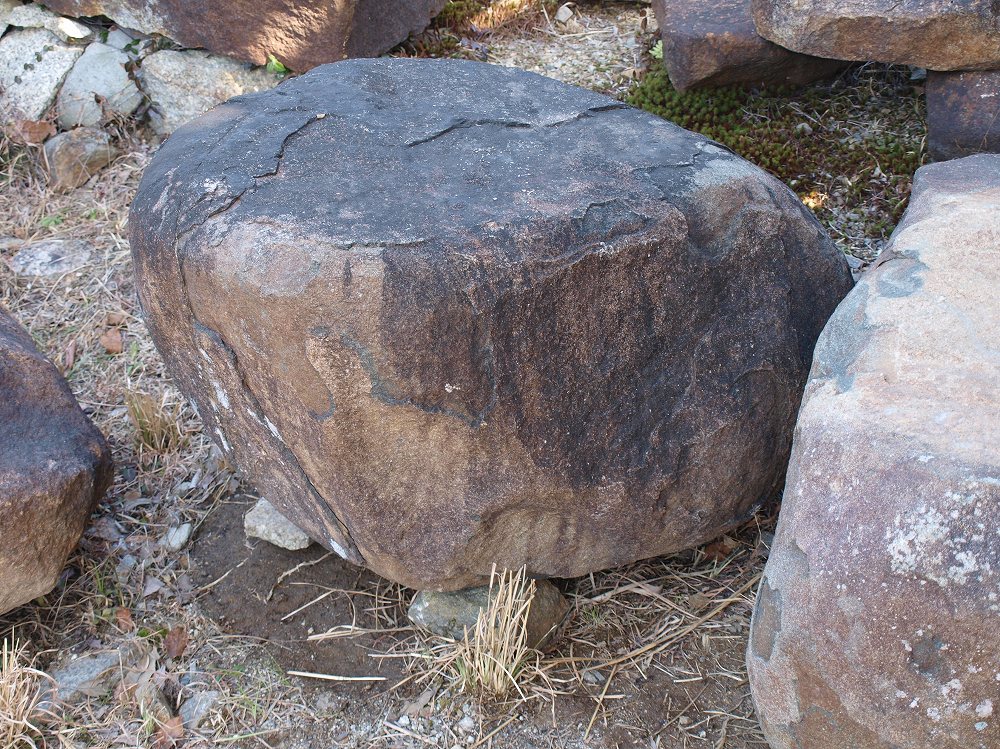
(222, 440)
(220, 394)
(273, 429)
(984, 709)
(338, 549)
(981, 725)
(934, 714)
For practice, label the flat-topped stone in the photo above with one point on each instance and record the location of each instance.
(875, 621)
(448, 314)
(717, 44)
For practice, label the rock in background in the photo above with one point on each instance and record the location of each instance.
(963, 113)
(468, 343)
(54, 467)
(932, 34)
(876, 618)
(716, 44)
(300, 33)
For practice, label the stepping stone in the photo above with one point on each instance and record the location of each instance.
(875, 619)
(448, 314)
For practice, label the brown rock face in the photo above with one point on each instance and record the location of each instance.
(54, 467)
(934, 34)
(875, 622)
(963, 113)
(300, 33)
(449, 313)
(716, 44)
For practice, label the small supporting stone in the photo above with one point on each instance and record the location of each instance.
(452, 614)
(266, 523)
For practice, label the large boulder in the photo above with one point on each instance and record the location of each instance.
(448, 313)
(716, 44)
(876, 620)
(300, 33)
(54, 467)
(963, 113)
(935, 34)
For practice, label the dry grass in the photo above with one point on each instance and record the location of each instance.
(494, 659)
(22, 691)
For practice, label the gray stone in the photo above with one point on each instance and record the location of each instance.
(876, 619)
(453, 613)
(33, 64)
(132, 44)
(89, 675)
(100, 72)
(183, 85)
(6, 6)
(266, 523)
(74, 157)
(197, 708)
(51, 257)
(177, 538)
(34, 16)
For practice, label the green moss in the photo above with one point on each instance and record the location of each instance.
(808, 137)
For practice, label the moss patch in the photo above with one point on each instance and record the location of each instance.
(848, 145)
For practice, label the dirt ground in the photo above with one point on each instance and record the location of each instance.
(653, 653)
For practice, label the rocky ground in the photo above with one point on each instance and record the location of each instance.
(208, 624)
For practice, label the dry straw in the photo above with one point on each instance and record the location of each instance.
(21, 694)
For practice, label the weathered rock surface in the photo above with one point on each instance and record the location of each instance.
(100, 72)
(54, 467)
(300, 33)
(74, 157)
(963, 113)
(716, 44)
(263, 521)
(497, 319)
(34, 16)
(183, 85)
(33, 64)
(934, 34)
(876, 618)
(453, 613)
(51, 257)
(6, 6)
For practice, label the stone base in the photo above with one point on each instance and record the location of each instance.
(963, 113)
(716, 44)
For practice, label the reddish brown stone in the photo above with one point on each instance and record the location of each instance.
(934, 34)
(449, 313)
(875, 625)
(716, 44)
(963, 113)
(300, 33)
(54, 467)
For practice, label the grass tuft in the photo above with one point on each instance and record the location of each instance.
(21, 690)
(156, 422)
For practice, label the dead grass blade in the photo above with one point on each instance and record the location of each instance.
(21, 698)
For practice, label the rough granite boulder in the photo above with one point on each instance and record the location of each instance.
(876, 620)
(934, 34)
(33, 64)
(449, 314)
(300, 33)
(963, 113)
(716, 44)
(54, 467)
